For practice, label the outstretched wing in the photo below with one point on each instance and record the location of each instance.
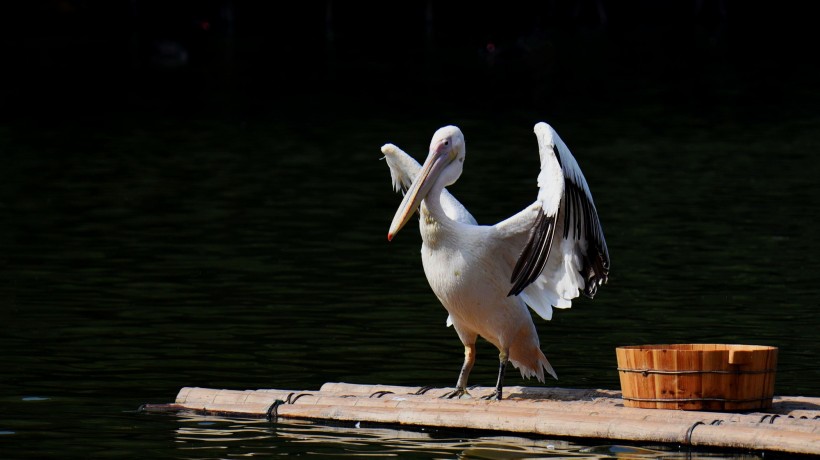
(404, 169)
(567, 222)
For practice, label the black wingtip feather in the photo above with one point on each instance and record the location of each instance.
(595, 270)
(534, 257)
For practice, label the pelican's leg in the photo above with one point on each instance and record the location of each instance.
(461, 385)
(503, 359)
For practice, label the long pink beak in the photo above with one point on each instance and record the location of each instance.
(436, 161)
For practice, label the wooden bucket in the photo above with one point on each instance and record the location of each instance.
(697, 376)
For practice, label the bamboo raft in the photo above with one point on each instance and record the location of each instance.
(791, 425)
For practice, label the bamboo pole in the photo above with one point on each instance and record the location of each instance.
(597, 399)
(572, 425)
(591, 408)
(544, 411)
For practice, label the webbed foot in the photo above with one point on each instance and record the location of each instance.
(496, 394)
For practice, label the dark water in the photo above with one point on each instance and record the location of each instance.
(140, 255)
(223, 223)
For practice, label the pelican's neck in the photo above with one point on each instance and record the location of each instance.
(433, 202)
(433, 220)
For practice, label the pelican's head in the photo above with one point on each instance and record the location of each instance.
(442, 168)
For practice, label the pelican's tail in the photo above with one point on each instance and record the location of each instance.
(532, 364)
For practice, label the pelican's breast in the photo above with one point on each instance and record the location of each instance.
(470, 281)
(444, 259)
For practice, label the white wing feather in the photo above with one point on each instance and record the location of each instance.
(560, 280)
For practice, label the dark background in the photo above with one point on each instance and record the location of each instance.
(243, 59)
(190, 195)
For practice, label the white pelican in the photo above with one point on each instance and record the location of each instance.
(487, 275)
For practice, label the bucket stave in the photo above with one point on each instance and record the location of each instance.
(697, 376)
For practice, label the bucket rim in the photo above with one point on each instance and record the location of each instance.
(705, 347)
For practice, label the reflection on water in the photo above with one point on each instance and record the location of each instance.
(137, 258)
(209, 435)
